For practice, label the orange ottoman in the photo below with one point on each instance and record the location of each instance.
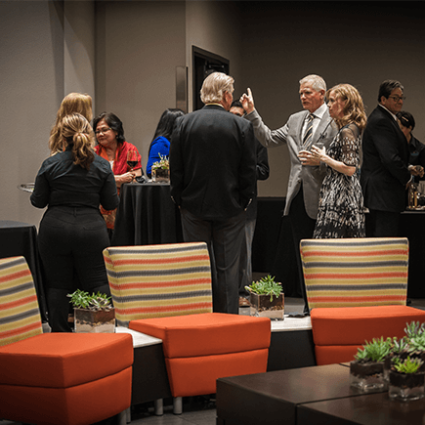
(62, 378)
(201, 348)
(338, 332)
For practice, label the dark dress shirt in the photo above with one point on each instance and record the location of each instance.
(60, 182)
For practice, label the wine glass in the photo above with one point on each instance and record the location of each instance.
(132, 161)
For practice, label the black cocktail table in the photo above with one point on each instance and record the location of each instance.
(370, 409)
(273, 397)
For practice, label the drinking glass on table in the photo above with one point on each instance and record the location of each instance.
(132, 161)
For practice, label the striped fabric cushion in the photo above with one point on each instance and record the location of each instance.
(19, 312)
(355, 272)
(159, 280)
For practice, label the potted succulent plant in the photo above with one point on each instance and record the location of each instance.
(92, 313)
(416, 349)
(266, 298)
(414, 329)
(161, 170)
(400, 349)
(406, 380)
(367, 369)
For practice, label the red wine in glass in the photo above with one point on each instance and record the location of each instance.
(132, 160)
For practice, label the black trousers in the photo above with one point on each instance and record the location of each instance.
(380, 224)
(71, 241)
(302, 227)
(224, 238)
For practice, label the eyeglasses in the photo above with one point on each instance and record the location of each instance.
(397, 98)
(103, 130)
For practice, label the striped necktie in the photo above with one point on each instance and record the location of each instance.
(309, 130)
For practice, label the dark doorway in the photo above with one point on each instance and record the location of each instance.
(204, 63)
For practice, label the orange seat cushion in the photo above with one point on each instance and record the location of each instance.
(82, 404)
(62, 360)
(354, 325)
(207, 334)
(192, 376)
(335, 353)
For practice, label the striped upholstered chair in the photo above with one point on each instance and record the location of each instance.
(44, 376)
(356, 290)
(159, 280)
(165, 291)
(355, 272)
(19, 312)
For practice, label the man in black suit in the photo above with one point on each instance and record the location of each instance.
(213, 176)
(384, 173)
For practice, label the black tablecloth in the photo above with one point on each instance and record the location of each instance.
(412, 226)
(17, 239)
(146, 215)
(273, 248)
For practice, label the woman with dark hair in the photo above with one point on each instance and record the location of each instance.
(114, 148)
(160, 145)
(72, 232)
(416, 148)
(341, 210)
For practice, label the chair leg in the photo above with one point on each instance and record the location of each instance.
(158, 407)
(178, 405)
(124, 417)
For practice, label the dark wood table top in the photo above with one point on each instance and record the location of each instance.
(368, 409)
(300, 385)
(274, 397)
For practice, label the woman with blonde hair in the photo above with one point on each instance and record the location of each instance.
(341, 210)
(73, 234)
(73, 102)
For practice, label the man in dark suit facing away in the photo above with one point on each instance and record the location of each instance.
(213, 176)
(384, 173)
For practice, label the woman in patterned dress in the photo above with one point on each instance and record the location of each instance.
(341, 211)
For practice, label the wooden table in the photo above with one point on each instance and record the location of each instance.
(370, 409)
(273, 398)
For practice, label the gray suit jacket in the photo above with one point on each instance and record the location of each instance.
(311, 177)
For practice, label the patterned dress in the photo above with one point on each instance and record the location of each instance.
(341, 210)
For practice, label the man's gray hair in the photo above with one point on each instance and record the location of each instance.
(214, 87)
(317, 83)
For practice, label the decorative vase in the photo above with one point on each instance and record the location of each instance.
(90, 321)
(406, 386)
(367, 376)
(161, 175)
(262, 306)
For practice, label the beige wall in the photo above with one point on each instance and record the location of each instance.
(215, 27)
(138, 47)
(47, 51)
(79, 48)
(128, 51)
(31, 85)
